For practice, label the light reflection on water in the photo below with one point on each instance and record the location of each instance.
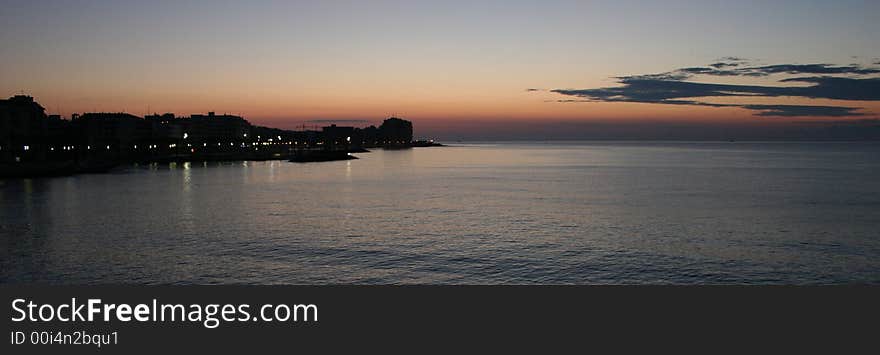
(488, 213)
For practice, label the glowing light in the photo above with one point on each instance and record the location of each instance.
(185, 135)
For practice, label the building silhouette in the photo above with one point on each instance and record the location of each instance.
(340, 137)
(396, 132)
(115, 132)
(29, 135)
(26, 132)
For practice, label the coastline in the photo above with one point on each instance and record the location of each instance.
(38, 144)
(92, 166)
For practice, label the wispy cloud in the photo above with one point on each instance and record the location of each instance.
(728, 62)
(847, 82)
(734, 69)
(867, 122)
(803, 110)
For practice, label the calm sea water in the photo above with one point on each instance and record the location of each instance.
(510, 213)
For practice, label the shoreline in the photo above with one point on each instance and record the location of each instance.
(59, 168)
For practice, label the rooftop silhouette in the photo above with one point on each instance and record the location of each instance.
(33, 143)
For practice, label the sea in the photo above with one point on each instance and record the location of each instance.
(469, 213)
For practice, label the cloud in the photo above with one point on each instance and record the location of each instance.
(671, 88)
(733, 69)
(533, 89)
(827, 87)
(712, 71)
(728, 62)
(803, 110)
(808, 69)
(671, 76)
(865, 122)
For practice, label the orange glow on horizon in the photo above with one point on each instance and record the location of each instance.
(285, 111)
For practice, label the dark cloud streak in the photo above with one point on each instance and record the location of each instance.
(728, 62)
(803, 110)
(731, 69)
(670, 88)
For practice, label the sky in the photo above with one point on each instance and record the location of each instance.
(457, 69)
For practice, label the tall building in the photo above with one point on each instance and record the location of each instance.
(112, 131)
(23, 129)
(213, 127)
(396, 131)
(339, 137)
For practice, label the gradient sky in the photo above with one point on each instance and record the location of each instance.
(450, 66)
